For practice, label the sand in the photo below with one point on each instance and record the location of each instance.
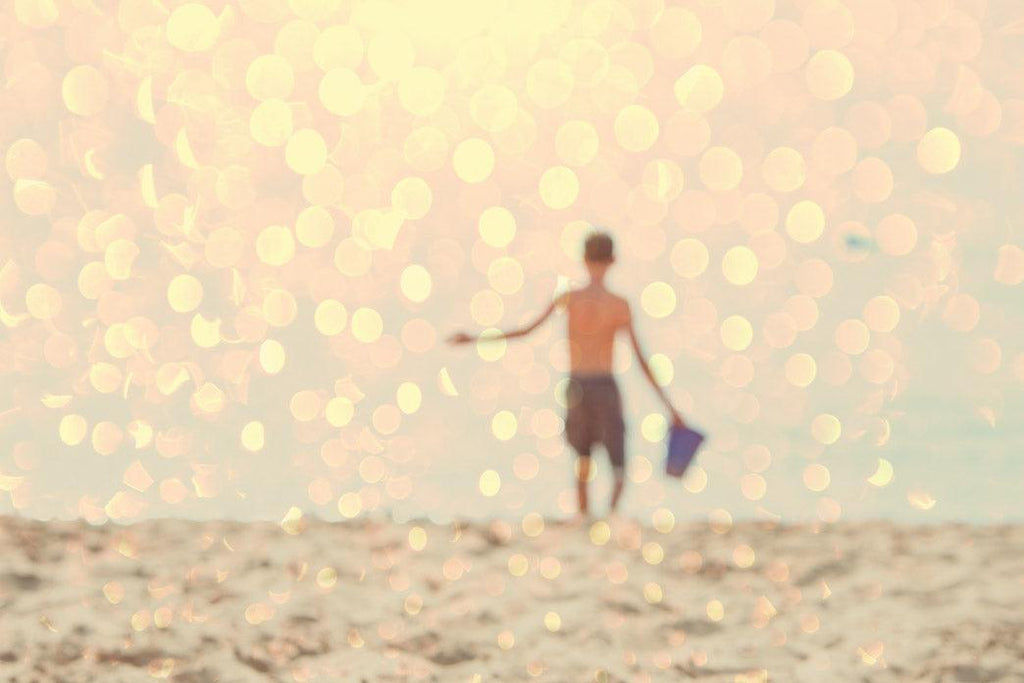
(372, 600)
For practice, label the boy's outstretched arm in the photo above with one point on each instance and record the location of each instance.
(463, 338)
(677, 419)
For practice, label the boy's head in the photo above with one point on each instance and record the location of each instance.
(597, 250)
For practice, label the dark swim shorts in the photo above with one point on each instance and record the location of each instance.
(594, 416)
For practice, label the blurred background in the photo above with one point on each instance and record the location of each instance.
(236, 234)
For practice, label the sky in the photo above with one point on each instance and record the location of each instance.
(238, 234)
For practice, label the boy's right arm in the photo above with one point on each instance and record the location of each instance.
(677, 419)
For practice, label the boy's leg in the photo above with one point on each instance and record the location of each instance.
(582, 477)
(615, 443)
(620, 480)
(578, 434)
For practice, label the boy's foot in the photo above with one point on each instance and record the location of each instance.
(626, 530)
(580, 519)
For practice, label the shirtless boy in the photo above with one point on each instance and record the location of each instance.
(594, 406)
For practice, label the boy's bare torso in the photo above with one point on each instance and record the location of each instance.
(595, 315)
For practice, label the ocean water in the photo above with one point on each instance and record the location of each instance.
(225, 284)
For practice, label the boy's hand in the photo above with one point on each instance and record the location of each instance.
(677, 419)
(459, 338)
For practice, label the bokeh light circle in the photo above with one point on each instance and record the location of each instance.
(314, 227)
(829, 75)
(270, 76)
(497, 226)
(689, 258)
(896, 234)
(271, 123)
(494, 107)
(73, 429)
(193, 27)
(505, 275)
(549, 83)
(338, 46)
(882, 313)
(805, 221)
(736, 333)
(342, 92)
(275, 245)
(826, 428)
(938, 151)
(747, 16)
(366, 324)
(577, 142)
(636, 128)
(700, 89)
(817, 477)
(85, 90)
(835, 151)
(962, 312)
(390, 53)
(421, 90)
(36, 13)
(852, 337)
(873, 180)
(306, 151)
(559, 187)
(721, 169)
(184, 293)
(330, 317)
(677, 33)
(740, 265)
(280, 308)
(784, 169)
(415, 282)
(801, 369)
(658, 299)
(26, 158)
(473, 160)
(413, 197)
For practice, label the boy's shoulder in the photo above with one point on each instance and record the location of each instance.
(616, 299)
(609, 297)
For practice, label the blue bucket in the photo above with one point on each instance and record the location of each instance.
(683, 444)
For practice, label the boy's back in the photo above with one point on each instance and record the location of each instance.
(595, 315)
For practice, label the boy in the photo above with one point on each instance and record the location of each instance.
(594, 406)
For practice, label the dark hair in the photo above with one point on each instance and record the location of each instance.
(598, 247)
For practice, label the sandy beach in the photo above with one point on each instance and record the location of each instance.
(371, 600)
